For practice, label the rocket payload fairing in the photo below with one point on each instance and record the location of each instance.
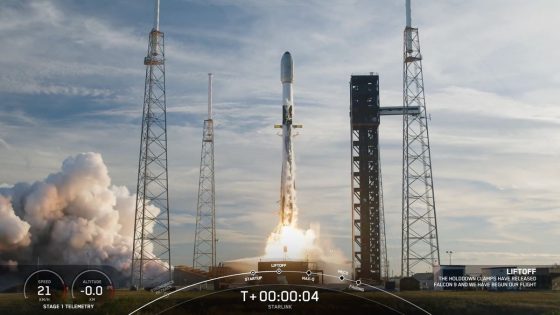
(288, 210)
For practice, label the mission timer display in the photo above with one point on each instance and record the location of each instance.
(267, 296)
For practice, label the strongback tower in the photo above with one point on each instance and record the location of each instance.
(151, 253)
(419, 225)
(204, 254)
(366, 185)
(369, 246)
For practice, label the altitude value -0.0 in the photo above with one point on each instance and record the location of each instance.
(90, 290)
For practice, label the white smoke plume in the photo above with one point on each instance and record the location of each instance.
(74, 216)
(14, 232)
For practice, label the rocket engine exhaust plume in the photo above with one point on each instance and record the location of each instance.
(74, 216)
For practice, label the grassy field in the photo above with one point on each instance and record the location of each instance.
(479, 302)
(473, 302)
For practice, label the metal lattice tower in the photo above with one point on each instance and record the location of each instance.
(366, 174)
(419, 226)
(151, 253)
(204, 254)
(369, 244)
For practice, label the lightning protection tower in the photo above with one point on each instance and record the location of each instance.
(419, 226)
(151, 253)
(204, 254)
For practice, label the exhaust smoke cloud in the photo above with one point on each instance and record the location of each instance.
(74, 216)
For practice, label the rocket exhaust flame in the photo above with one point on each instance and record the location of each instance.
(289, 242)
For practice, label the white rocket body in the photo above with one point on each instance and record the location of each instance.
(288, 209)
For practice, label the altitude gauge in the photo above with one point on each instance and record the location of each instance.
(92, 287)
(45, 286)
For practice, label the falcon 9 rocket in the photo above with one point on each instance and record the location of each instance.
(288, 208)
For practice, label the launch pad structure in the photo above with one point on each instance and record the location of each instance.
(366, 202)
(204, 253)
(369, 248)
(151, 246)
(419, 226)
(420, 242)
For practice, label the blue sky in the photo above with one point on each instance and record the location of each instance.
(72, 81)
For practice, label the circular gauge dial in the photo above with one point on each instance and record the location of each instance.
(45, 286)
(93, 287)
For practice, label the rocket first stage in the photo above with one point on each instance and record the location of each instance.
(288, 209)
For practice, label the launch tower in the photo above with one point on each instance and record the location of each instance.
(204, 254)
(419, 226)
(151, 253)
(369, 246)
(366, 174)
